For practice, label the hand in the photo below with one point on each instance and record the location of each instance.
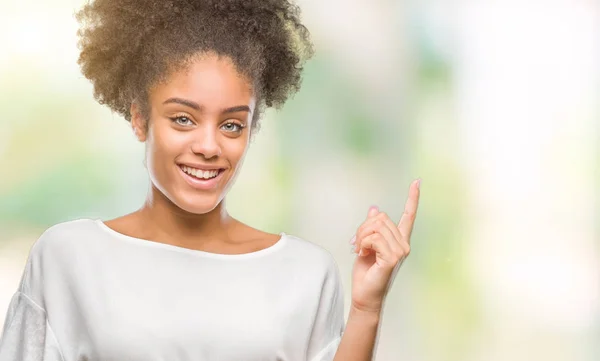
(381, 247)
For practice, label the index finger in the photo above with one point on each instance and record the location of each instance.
(410, 210)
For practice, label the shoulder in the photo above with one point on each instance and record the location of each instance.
(320, 272)
(59, 234)
(68, 227)
(62, 241)
(311, 254)
(51, 253)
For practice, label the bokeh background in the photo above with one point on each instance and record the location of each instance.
(494, 104)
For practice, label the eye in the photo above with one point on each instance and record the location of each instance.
(231, 127)
(182, 120)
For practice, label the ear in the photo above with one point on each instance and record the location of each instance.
(137, 122)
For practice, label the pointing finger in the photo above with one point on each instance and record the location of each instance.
(410, 210)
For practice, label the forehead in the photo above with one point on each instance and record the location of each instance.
(209, 80)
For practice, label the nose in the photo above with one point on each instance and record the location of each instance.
(205, 143)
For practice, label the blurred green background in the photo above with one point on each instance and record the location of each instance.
(493, 104)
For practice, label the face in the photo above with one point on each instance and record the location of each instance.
(199, 119)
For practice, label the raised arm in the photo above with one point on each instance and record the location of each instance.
(381, 246)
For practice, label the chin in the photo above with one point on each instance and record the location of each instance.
(198, 205)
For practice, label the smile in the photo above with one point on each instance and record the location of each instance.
(200, 179)
(199, 173)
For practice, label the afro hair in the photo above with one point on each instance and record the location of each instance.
(127, 46)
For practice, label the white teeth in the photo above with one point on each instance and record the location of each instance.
(198, 173)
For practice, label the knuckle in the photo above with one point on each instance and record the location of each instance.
(361, 228)
(365, 227)
(365, 242)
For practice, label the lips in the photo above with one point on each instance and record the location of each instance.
(202, 184)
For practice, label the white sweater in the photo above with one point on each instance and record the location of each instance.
(89, 293)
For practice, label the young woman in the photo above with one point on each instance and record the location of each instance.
(179, 278)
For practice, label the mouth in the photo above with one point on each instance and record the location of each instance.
(198, 179)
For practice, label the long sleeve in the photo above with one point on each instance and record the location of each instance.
(329, 322)
(26, 335)
(89, 293)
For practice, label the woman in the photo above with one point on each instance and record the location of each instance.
(180, 279)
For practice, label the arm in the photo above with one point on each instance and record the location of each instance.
(26, 334)
(358, 340)
(381, 247)
(332, 339)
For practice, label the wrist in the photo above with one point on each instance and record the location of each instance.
(365, 312)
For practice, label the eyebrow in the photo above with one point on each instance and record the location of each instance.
(198, 107)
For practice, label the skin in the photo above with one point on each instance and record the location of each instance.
(174, 212)
(382, 246)
(177, 214)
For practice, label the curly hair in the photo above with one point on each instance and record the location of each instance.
(128, 46)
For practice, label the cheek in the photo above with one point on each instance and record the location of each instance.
(237, 152)
(163, 146)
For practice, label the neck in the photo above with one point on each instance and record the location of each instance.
(162, 219)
